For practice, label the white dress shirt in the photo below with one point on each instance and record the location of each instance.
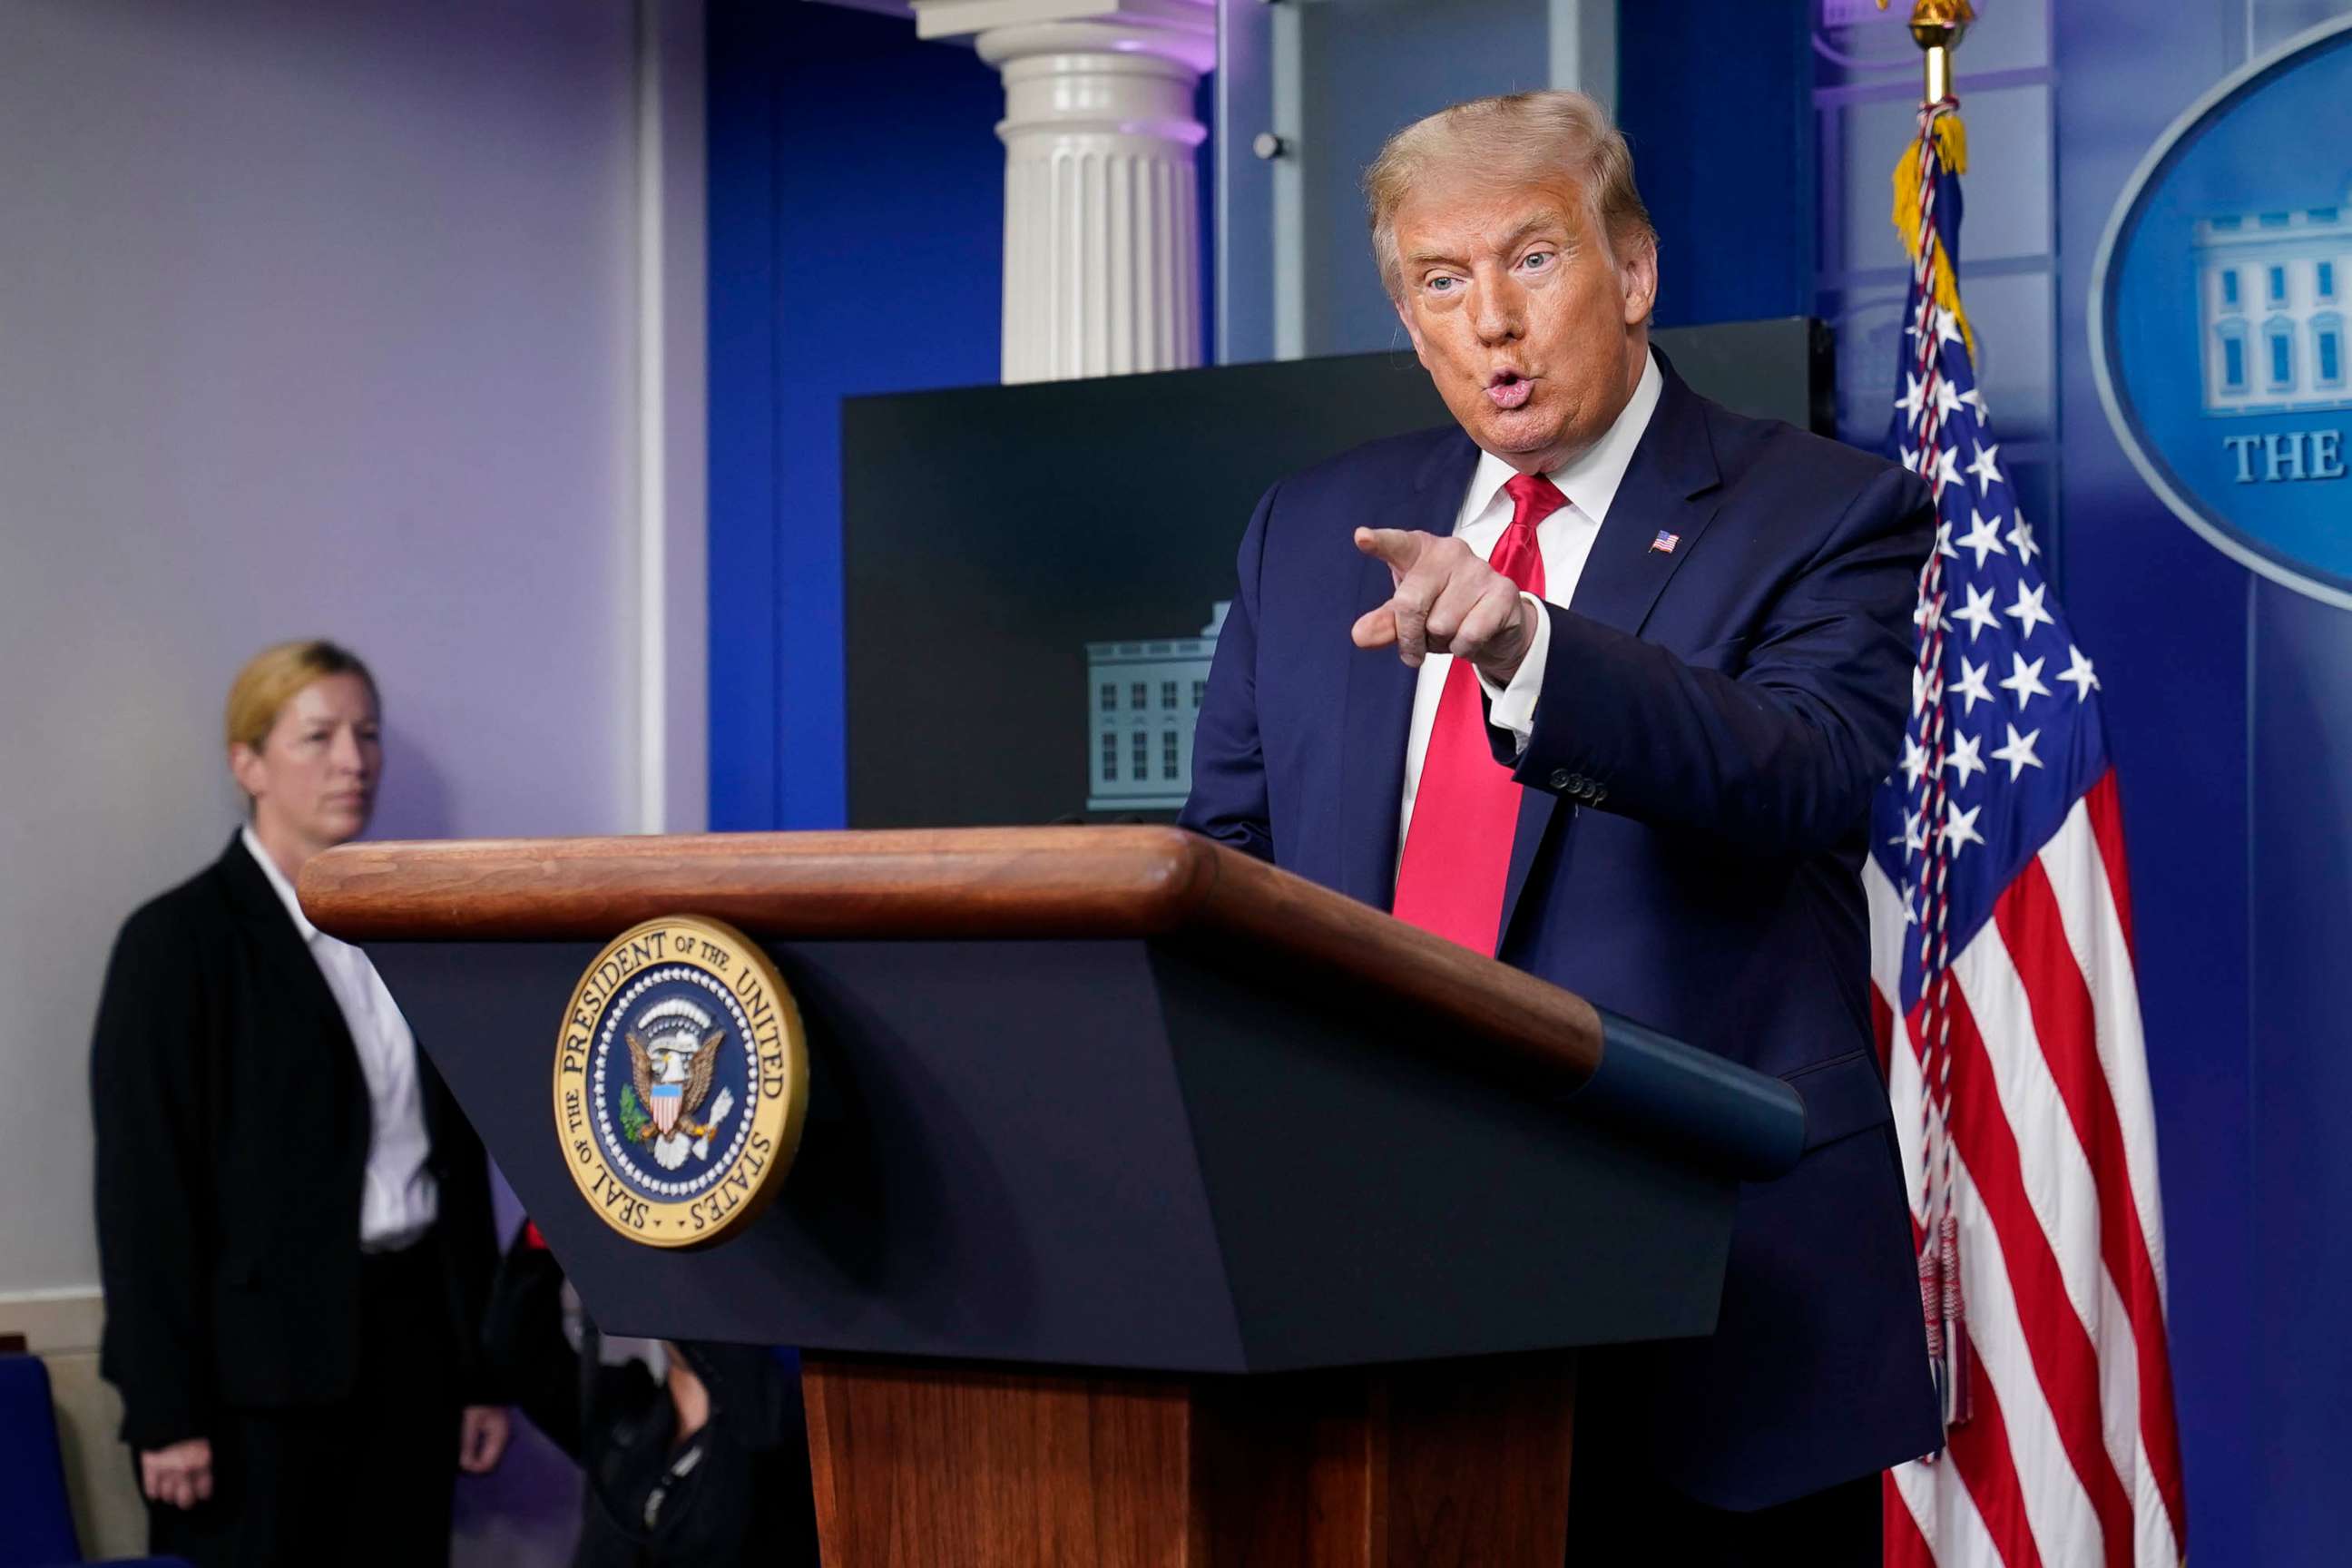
(1590, 482)
(398, 1198)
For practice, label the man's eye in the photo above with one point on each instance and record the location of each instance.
(1540, 260)
(1441, 285)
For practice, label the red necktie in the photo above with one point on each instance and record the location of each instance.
(1457, 853)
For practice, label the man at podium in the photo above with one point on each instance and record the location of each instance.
(1600, 682)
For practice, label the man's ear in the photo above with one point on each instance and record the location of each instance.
(1637, 272)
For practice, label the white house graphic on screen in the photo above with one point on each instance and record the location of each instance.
(2271, 288)
(1142, 698)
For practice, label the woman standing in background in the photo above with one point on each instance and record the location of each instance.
(293, 1217)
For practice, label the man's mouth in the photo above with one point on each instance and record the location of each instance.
(1508, 388)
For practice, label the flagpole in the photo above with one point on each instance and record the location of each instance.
(1937, 26)
(1927, 210)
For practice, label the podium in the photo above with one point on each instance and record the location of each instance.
(1152, 1207)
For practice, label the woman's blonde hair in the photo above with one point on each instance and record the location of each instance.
(1520, 138)
(271, 678)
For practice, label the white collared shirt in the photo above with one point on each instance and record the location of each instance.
(398, 1198)
(1590, 482)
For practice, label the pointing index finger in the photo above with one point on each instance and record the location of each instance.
(1397, 546)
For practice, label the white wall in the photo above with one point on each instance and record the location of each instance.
(347, 319)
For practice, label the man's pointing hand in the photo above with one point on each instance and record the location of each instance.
(1446, 600)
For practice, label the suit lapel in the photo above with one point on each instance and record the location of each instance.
(1379, 704)
(1666, 489)
(282, 950)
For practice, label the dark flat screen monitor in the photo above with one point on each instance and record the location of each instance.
(1029, 572)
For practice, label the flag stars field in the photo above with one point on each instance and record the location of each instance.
(1915, 833)
(1978, 613)
(1983, 536)
(2021, 536)
(1971, 683)
(1965, 759)
(1947, 470)
(2027, 609)
(1960, 827)
(1986, 473)
(2024, 679)
(2019, 753)
(2078, 673)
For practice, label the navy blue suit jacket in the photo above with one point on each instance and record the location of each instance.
(1712, 722)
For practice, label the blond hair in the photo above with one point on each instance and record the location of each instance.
(1516, 139)
(271, 678)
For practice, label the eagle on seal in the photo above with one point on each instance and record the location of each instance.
(674, 1087)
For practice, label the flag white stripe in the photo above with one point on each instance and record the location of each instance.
(2060, 1186)
(2152, 1539)
(1946, 1513)
(2153, 1542)
(1885, 933)
(2086, 909)
(1938, 1500)
(1904, 1090)
(2058, 1509)
(2093, 928)
(1886, 929)
(2057, 1177)
(2119, 1420)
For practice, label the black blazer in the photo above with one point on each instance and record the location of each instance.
(232, 1123)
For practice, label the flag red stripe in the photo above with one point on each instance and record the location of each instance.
(1983, 1458)
(1882, 1028)
(2064, 1360)
(2065, 1021)
(1904, 1547)
(2106, 809)
(1979, 1448)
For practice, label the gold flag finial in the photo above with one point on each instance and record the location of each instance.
(1936, 27)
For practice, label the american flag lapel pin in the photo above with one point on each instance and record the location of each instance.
(1665, 543)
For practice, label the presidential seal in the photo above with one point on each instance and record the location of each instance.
(681, 1079)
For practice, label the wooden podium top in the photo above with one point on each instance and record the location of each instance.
(991, 883)
(1112, 1097)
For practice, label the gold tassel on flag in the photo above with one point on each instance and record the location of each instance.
(1936, 26)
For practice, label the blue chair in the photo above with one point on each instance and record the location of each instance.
(40, 1532)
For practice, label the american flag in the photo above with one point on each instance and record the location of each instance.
(2002, 962)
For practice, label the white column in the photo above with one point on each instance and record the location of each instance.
(1102, 228)
(672, 502)
(1584, 47)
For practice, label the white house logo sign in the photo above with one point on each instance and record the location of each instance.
(2218, 316)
